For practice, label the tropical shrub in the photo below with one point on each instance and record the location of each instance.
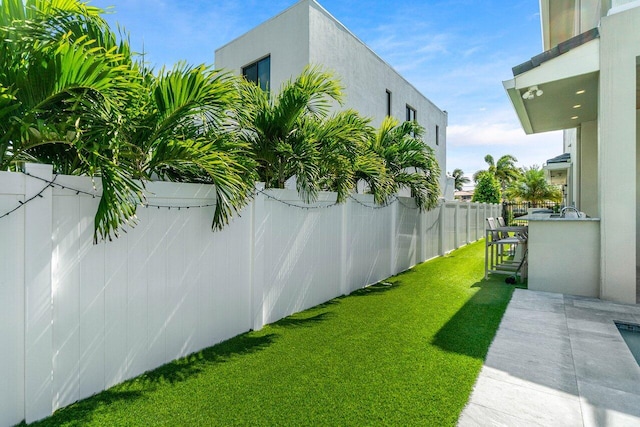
(487, 189)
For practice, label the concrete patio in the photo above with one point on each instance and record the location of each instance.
(558, 360)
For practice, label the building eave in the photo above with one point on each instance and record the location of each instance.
(568, 80)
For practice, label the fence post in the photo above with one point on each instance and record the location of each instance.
(441, 245)
(38, 218)
(456, 220)
(469, 224)
(394, 237)
(484, 214)
(479, 224)
(344, 247)
(423, 238)
(258, 224)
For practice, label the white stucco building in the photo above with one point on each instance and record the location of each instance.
(306, 33)
(586, 83)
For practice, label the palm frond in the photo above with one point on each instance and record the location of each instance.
(118, 203)
(215, 159)
(192, 99)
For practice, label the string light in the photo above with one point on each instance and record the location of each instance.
(293, 205)
(415, 208)
(35, 196)
(64, 187)
(149, 205)
(396, 199)
(53, 184)
(374, 206)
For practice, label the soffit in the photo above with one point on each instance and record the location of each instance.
(570, 90)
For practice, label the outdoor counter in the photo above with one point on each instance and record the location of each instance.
(564, 255)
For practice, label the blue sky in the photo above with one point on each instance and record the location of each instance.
(456, 52)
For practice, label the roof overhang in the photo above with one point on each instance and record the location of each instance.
(557, 170)
(569, 82)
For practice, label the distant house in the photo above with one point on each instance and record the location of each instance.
(306, 33)
(463, 196)
(586, 84)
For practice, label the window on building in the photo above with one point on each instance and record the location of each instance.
(388, 102)
(411, 114)
(259, 72)
(437, 135)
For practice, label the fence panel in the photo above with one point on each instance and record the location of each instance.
(486, 213)
(473, 223)
(449, 243)
(408, 236)
(301, 254)
(368, 257)
(431, 234)
(65, 274)
(461, 225)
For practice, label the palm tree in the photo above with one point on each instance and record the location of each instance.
(291, 132)
(408, 163)
(459, 179)
(533, 187)
(504, 170)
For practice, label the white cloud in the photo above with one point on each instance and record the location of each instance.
(484, 134)
(468, 144)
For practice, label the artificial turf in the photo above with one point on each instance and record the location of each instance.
(406, 352)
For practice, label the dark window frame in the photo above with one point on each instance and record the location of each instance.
(437, 135)
(412, 113)
(248, 74)
(388, 103)
(412, 116)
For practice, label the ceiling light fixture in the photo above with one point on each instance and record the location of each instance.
(577, 106)
(580, 92)
(574, 118)
(532, 92)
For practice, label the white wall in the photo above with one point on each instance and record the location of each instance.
(285, 37)
(77, 318)
(617, 158)
(563, 257)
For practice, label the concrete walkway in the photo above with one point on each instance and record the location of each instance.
(558, 360)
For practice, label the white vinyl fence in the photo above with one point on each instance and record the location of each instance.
(77, 318)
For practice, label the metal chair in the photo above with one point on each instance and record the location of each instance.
(505, 249)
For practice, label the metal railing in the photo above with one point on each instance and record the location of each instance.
(511, 211)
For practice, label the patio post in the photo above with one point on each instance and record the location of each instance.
(617, 155)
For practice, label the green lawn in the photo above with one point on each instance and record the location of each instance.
(405, 354)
